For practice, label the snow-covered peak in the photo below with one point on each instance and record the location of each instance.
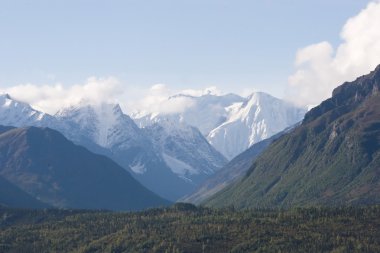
(17, 113)
(4, 97)
(7, 102)
(258, 118)
(205, 113)
(169, 126)
(184, 149)
(104, 123)
(231, 123)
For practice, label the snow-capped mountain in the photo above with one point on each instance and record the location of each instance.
(170, 156)
(105, 124)
(127, 144)
(259, 117)
(232, 123)
(106, 130)
(206, 113)
(185, 150)
(16, 113)
(161, 156)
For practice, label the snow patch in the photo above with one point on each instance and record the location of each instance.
(138, 168)
(7, 103)
(178, 167)
(107, 119)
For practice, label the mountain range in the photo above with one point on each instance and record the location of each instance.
(105, 129)
(229, 122)
(332, 158)
(166, 154)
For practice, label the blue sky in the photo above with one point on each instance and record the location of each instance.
(189, 44)
(237, 46)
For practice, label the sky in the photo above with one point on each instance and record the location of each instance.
(55, 52)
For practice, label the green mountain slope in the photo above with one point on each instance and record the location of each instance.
(332, 158)
(47, 166)
(230, 173)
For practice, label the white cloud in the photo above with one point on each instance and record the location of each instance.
(50, 98)
(156, 100)
(213, 90)
(320, 68)
(161, 99)
(133, 99)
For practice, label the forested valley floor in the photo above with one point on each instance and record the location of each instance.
(186, 228)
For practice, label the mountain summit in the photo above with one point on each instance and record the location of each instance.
(259, 117)
(16, 113)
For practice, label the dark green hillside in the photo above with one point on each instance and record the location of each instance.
(231, 172)
(185, 228)
(12, 196)
(333, 158)
(47, 166)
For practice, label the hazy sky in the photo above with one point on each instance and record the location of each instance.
(235, 45)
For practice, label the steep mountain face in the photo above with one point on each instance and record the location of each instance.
(185, 150)
(333, 158)
(258, 118)
(47, 166)
(233, 171)
(232, 123)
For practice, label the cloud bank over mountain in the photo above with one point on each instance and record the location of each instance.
(155, 100)
(95, 90)
(320, 67)
(51, 98)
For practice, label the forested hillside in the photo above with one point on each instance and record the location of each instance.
(186, 228)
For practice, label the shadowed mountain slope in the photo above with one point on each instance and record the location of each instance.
(47, 166)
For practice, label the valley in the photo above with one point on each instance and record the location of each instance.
(186, 228)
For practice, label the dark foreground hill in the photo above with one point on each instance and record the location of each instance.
(47, 166)
(185, 228)
(333, 158)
